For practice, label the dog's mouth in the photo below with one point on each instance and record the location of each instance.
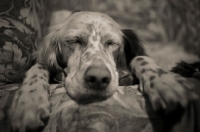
(92, 99)
(90, 96)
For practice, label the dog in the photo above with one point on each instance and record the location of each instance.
(91, 49)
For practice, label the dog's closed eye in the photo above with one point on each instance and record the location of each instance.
(111, 43)
(74, 41)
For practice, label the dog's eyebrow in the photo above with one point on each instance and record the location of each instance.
(75, 32)
(71, 34)
(72, 37)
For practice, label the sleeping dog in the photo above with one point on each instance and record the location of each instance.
(93, 49)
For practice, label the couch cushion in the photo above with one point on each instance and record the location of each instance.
(19, 30)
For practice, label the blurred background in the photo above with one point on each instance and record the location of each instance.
(168, 28)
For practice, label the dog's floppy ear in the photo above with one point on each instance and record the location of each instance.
(50, 51)
(132, 48)
(50, 54)
(132, 45)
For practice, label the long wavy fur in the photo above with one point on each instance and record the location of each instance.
(50, 52)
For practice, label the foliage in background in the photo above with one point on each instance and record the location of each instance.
(183, 23)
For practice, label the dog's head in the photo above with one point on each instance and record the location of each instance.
(93, 49)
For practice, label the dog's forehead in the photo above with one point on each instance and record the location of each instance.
(87, 22)
(99, 19)
(92, 20)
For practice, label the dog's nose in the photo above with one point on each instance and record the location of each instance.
(97, 78)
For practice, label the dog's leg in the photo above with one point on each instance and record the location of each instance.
(165, 89)
(31, 102)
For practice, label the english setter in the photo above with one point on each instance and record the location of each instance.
(91, 49)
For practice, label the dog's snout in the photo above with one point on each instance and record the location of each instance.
(97, 78)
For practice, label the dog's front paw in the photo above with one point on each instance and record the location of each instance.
(30, 108)
(167, 90)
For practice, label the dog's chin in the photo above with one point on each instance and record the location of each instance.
(89, 96)
(87, 99)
